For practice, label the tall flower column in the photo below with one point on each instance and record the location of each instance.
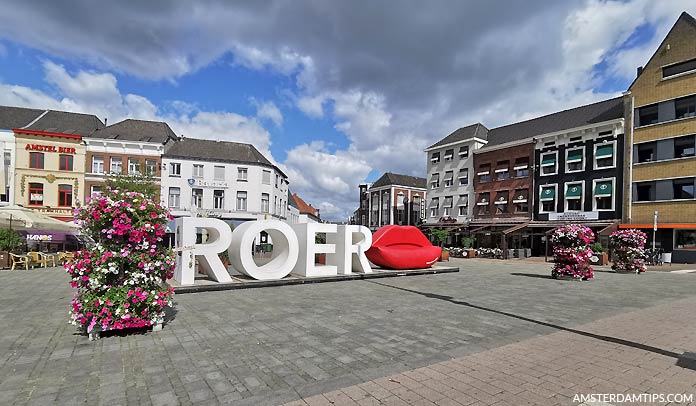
(629, 252)
(121, 276)
(571, 251)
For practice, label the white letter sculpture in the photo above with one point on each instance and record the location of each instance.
(306, 235)
(285, 249)
(351, 243)
(219, 238)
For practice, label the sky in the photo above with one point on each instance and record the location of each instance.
(335, 93)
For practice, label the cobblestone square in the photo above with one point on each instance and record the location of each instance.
(497, 332)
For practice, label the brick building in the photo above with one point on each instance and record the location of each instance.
(661, 108)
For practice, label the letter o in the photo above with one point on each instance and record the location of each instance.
(285, 249)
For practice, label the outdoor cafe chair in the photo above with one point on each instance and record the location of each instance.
(64, 257)
(21, 260)
(36, 258)
(46, 258)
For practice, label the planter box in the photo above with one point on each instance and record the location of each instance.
(602, 259)
(444, 256)
(5, 261)
(470, 253)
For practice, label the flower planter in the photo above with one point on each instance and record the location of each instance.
(571, 251)
(471, 253)
(444, 256)
(629, 252)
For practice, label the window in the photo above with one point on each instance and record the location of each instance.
(685, 107)
(449, 178)
(95, 190)
(463, 177)
(264, 202)
(133, 166)
(266, 177)
(685, 239)
(197, 198)
(573, 196)
(175, 169)
(501, 201)
(174, 197)
(35, 194)
(679, 68)
(464, 152)
(449, 154)
(276, 208)
(241, 201)
(548, 163)
(36, 160)
(647, 151)
(483, 203)
(197, 171)
(435, 157)
(218, 199)
(502, 170)
(521, 167)
(97, 164)
(604, 156)
(603, 195)
(449, 203)
(575, 159)
(520, 200)
(547, 197)
(242, 174)
(65, 162)
(65, 198)
(484, 173)
(685, 146)
(435, 181)
(277, 179)
(434, 207)
(150, 167)
(645, 192)
(116, 165)
(219, 172)
(463, 204)
(647, 115)
(683, 188)
(462, 211)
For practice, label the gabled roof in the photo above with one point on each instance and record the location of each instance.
(17, 117)
(222, 151)
(291, 200)
(401, 180)
(684, 18)
(305, 208)
(477, 130)
(598, 112)
(137, 130)
(66, 123)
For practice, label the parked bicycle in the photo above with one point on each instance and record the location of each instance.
(654, 257)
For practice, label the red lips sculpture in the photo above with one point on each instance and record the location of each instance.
(402, 247)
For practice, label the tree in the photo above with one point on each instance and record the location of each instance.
(144, 184)
(440, 236)
(9, 240)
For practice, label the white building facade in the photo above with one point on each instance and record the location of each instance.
(450, 176)
(225, 180)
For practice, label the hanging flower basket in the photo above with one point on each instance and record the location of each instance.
(629, 250)
(120, 278)
(571, 251)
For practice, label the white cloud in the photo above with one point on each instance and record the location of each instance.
(268, 110)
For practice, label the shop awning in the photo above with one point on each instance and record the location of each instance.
(515, 228)
(604, 151)
(575, 155)
(548, 193)
(45, 235)
(609, 229)
(603, 188)
(548, 160)
(573, 192)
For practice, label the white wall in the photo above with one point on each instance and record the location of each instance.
(7, 145)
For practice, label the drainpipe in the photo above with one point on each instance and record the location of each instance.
(630, 162)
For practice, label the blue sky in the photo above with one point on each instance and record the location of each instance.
(334, 94)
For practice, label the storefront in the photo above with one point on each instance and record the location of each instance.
(679, 239)
(49, 172)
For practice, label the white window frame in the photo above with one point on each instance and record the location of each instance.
(169, 198)
(433, 159)
(449, 182)
(434, 184)
(434, 210)
(449, 157)
(265, 172)
(594, 154)
(193, 198)
(222, 200)
(613, 193)
(216, 168)
(242, 174)
(555, 197)
(134, 166)
(265, 203)
(112, 161)
(584, 160)
(102, 163)
(463, 154)
(242, 200)
(172, 171)
(462, 208)
(582, 195)
(555, 164)
(202, 171)
(92, 191)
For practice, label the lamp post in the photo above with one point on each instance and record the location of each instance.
(654, 231)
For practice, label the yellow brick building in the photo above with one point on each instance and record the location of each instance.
(661, 143)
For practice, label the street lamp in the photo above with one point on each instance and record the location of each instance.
(654, 231)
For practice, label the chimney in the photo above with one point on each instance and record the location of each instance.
(639, 71)
(105, 121)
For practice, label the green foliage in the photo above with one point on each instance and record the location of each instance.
(468, 242)
(144, 184)
(597, 247)
(440, 236)
(9, 240)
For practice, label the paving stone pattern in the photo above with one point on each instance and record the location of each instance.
(279, 344)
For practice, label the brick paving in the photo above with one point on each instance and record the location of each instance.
(277, 345)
